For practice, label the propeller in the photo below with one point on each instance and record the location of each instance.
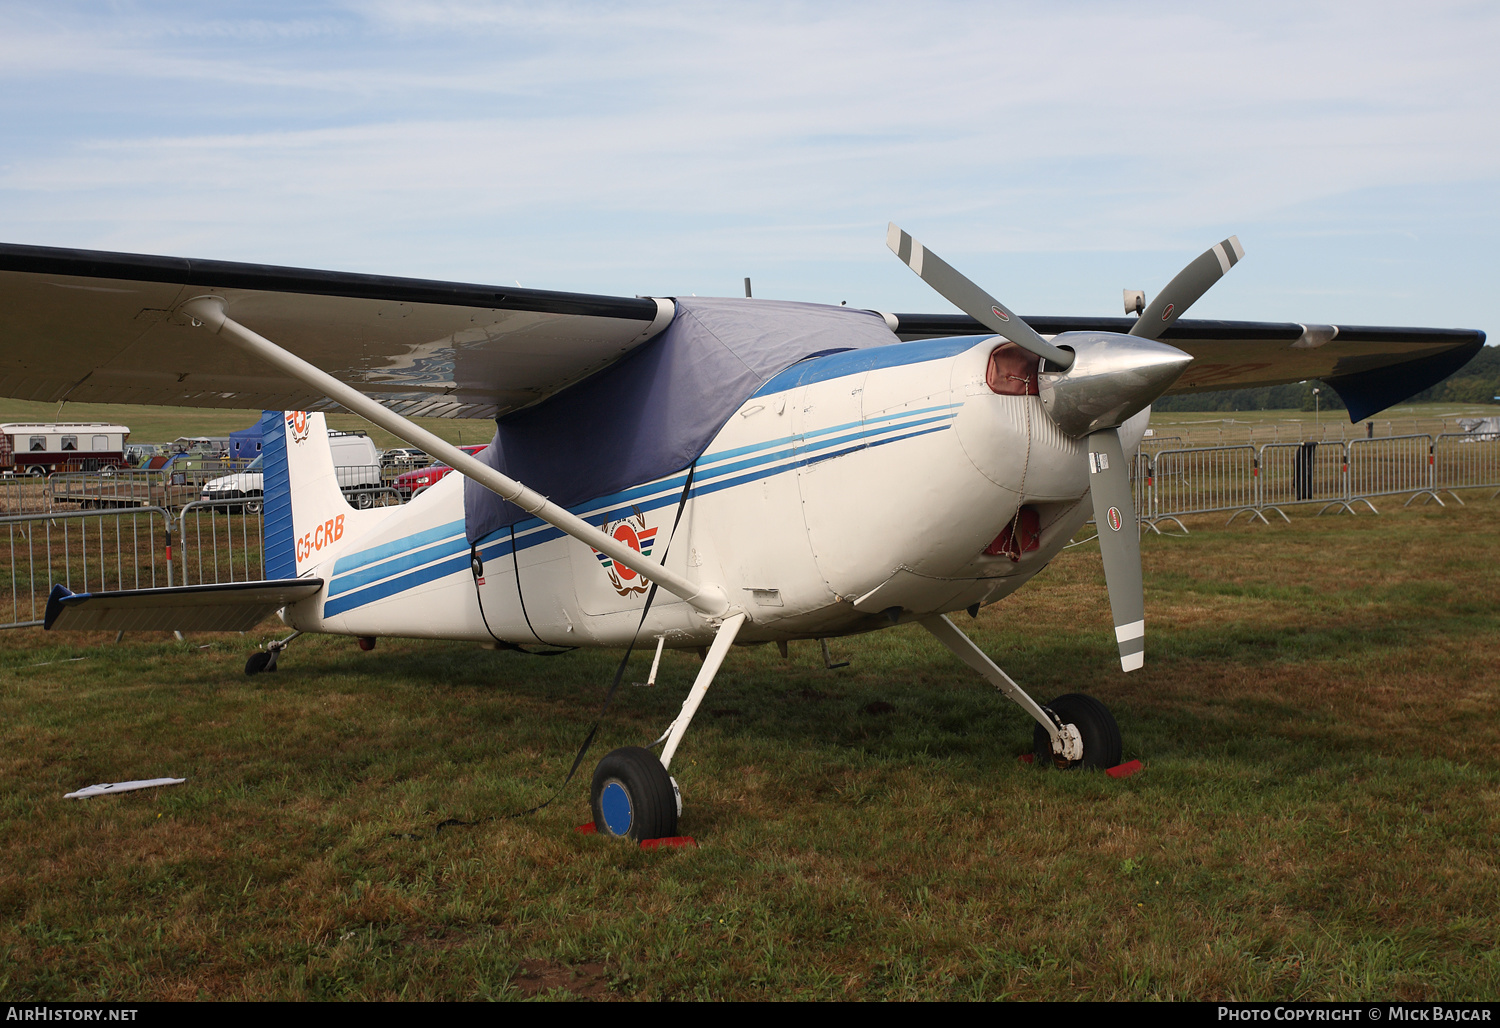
(1121, 381)
(1119, 544)
(970, 299)
(1184, 289)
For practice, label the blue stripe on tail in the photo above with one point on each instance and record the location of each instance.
(280, 541)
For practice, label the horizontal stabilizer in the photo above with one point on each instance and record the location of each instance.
(229, 607)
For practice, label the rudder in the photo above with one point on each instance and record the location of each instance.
(280, 545)
(306, 514)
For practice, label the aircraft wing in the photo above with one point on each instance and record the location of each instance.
(1370, 367)
(101, 327)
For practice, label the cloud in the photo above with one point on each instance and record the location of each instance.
(432, 134)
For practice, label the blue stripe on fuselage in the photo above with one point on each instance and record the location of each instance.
(853, 362)
(356, 594)
(392, 567)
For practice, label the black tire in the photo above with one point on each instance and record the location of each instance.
(254, 506)
(632, 796)
(257, 663)
(1102, 746)
(364, 501)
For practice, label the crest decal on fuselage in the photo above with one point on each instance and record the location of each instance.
(631, 531)
(296, 420)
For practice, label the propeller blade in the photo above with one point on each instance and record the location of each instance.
(1183, 291)
(1120, 544)
(969, 298)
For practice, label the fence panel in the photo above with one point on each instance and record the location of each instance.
(23, 494)
(1309, 472)
(1203, 481)
(165, 488)
(365, 497)
(1390, 466)
(86, 551)
(220, 542)
(1466, 461)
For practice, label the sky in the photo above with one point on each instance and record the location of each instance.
(1053, 152)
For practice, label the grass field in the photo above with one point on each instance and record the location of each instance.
(163, 424)
(1230, 428)
(1195, 428)
(1318, 818)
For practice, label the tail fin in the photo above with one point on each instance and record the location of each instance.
(305, 512)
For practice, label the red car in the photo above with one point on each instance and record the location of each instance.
(407, 483)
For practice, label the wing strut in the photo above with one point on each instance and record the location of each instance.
(208, 312)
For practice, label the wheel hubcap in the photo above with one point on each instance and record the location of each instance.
(614, 804)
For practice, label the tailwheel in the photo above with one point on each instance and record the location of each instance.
(633, 797)
(1100, 734)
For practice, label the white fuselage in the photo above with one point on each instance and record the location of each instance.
(855, 490)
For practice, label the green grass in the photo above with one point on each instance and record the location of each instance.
(1318, 817)
(1230, 428)
(149, 424)
(1198, 428)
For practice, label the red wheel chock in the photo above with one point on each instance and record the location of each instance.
(1124, 770)
(672, 842)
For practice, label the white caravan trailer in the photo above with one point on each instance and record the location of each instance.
(39, 449)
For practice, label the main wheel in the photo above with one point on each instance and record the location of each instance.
(1101, 735)
(632, 796)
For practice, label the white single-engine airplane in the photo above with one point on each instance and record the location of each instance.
(779, 470)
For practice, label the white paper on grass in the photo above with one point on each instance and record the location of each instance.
(109, 788)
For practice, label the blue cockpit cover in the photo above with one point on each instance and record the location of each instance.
(655, 410)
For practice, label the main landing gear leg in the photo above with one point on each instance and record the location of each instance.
(633, 796)
(1074, 730)
(266, 659)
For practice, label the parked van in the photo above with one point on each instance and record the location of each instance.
(355, 461)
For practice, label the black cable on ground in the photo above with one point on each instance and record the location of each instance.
(588, 741)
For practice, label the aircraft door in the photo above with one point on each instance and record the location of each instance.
(828, 427)
(531, 610)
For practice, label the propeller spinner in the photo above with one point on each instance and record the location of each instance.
(1089, 386)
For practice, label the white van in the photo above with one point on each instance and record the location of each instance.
(355, 461)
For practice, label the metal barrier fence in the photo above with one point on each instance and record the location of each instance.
(218, 542)
(85, 551)
(1310, 472)
(1202, 481)
(1462, 461)
(23, 495)
(167, 488)
(125, 541)
(1391, 466)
